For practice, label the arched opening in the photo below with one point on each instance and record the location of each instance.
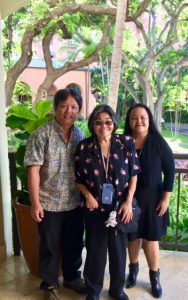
(23, 92)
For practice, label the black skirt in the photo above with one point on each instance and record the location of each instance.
(151, 226)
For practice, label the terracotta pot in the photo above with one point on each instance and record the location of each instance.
(29, 237)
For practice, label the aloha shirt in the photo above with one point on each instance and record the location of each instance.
(46, 147)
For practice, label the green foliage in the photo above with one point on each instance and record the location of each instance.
(22, 112)
(121, 123)
(171, 114)
(42, 108)
(182, 226)
(83, 126)
(90, 49)
(22, 89)
(22, 119)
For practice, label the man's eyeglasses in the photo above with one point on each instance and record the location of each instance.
(107, 123)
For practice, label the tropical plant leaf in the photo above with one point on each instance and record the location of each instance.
(22, 135)
(15, 122)
(20, 155)
(22, 175)
(31, 126)
(42, 108)
(22, 112)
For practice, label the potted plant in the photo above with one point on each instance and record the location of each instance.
(23, 120)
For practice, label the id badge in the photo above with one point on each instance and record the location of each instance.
(107, 193)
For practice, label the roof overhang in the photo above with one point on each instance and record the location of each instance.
(7, 7)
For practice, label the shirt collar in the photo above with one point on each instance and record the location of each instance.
(58, 128)
(95, 147)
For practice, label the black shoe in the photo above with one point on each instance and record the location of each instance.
(51, 295)
(133, 272)
(77, 285)
(91, 297)
(155, 283)
(120, 296)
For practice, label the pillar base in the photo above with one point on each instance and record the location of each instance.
(2, 252)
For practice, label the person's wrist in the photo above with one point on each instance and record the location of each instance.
(35, 204)
(86, 195)
(129, 197)
(166, 200)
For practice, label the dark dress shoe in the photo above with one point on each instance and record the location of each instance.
(77, 285)
(92, 297)
(120, 296)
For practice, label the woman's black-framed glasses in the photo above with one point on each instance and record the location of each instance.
(107, 123)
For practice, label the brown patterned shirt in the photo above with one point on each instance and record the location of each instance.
(46, 147)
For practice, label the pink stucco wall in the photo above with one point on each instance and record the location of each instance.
(35, 76)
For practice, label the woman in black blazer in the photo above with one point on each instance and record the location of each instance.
(154, 187)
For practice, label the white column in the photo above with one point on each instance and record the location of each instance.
(4, 163)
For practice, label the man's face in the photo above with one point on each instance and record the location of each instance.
(67, 112)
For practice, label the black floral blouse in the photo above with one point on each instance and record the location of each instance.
(123, 164)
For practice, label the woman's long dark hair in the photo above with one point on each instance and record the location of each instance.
(152, 127)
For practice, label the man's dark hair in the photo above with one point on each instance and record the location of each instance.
(152, 127)
(63, 94)
(103, 108)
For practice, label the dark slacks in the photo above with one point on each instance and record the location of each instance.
(99, 240)
(61, 244)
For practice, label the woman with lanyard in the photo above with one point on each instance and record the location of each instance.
(106, 168)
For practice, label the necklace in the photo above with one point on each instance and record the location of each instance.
(139, 152)
(106, 163)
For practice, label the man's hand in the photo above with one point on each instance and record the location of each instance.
(91, 202)
(37, 212)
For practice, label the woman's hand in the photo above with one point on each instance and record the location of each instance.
(91, 202)
(126, 211)
(162, 207)
(163, 204)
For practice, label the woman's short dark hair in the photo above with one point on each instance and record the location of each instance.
(102, 108)
(63, 94)
(152, 127)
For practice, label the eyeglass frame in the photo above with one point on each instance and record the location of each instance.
(106, 122)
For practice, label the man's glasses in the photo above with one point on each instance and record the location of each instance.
(107, 123)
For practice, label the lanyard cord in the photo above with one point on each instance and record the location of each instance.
(106, 164)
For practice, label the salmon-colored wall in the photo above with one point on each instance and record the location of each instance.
(35, 76)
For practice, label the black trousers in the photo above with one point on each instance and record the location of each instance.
(99, 239)
(61, 244)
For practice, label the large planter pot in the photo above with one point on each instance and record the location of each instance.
(29, 237)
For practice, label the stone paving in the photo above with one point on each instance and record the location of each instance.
(17, 284)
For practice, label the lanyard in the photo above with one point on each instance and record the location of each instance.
(106, 164)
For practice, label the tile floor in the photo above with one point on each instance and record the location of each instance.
(17, 284)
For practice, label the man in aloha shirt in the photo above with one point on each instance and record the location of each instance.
(55, 197)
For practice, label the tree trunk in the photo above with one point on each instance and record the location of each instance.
(158, 114)
(117, 53)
